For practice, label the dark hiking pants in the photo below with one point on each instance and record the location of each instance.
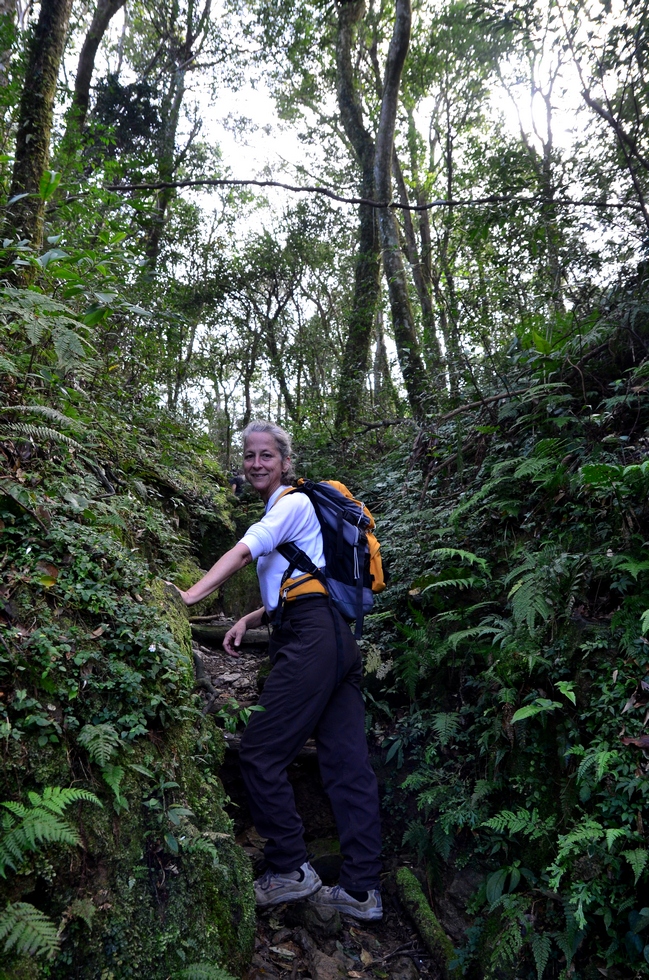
(302, 698)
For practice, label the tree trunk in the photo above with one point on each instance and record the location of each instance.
(25, 217)
(367, 273)
(7, 28)
(170, 113)
(432, 350)
(412, 366)
(104, 13)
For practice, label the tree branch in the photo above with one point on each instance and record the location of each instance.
(441, 203)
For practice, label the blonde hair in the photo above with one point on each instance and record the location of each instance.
(282, 442)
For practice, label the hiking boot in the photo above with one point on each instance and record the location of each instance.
(273, 888)
(338, 898)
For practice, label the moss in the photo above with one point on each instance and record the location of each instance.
(186, 573)
(430, 929)
(241, 594)
(175, 614)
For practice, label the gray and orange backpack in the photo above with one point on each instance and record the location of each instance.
(353, 571)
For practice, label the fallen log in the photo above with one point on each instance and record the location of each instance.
(428, 925)
(213, 636)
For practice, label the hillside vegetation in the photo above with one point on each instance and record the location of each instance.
(98, 499)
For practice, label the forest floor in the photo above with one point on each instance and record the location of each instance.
(298, 940)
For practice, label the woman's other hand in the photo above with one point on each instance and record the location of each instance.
(234, 636)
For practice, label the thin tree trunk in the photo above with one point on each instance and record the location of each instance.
(171, 105)
(412, 366)
(7, 28)
(104, 13)
(25, 217)
(367, 273)
(432, 350)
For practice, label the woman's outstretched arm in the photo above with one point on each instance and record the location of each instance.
(229, 563)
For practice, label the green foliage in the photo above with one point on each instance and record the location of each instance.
(27, 931)
(26, 828)
(202, 971)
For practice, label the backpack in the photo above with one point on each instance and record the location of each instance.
(353, 571)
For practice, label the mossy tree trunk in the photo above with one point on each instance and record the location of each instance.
(403, 321)
(367, 274)
(25, 216)
(104, 13)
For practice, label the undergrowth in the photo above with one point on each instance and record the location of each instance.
(513, 661)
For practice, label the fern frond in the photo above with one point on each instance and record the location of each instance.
(445, 725)
(101, 741)
(541, 945)
(29, 827)
(467, 556)
(45, 410)
(57, 798)
(7, 366)
(28, 931)
(25, 430)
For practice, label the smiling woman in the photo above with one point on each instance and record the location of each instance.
(313, 689)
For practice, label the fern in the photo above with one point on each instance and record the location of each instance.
(637, 858)
(101, 741)
(24, 828)
(7, 366)
(541, 945)
(28, 931)
(44, 433)
(47, 411)
(466, 556)
(445, 725)
(521, 822)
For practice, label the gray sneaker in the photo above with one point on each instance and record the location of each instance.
(337, 898)
(273, 889)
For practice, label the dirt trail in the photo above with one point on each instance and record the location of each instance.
(298, 940)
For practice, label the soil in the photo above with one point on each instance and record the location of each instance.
(298, 940)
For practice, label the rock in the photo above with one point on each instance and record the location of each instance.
(344, 962)
(464, 885)
(325, 967)
(318, 920)
(403, 968)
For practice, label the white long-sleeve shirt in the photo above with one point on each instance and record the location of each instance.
(290, 519)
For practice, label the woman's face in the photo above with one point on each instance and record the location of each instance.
(262, 463)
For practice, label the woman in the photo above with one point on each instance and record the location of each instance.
(301, 698)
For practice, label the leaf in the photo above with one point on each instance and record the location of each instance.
(48, 184)
(637, 858)
(541, 945)
(642, 741)
(539, 706)
(496, 885)
(28, 931)
(101, 742)
(566, 688)
(47, 574)
(113, 775)
(366, 958)
(50, 256)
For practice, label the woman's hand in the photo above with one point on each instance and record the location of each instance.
(183, 595)
(234, 636)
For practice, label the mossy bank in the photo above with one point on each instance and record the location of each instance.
(98, 694)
